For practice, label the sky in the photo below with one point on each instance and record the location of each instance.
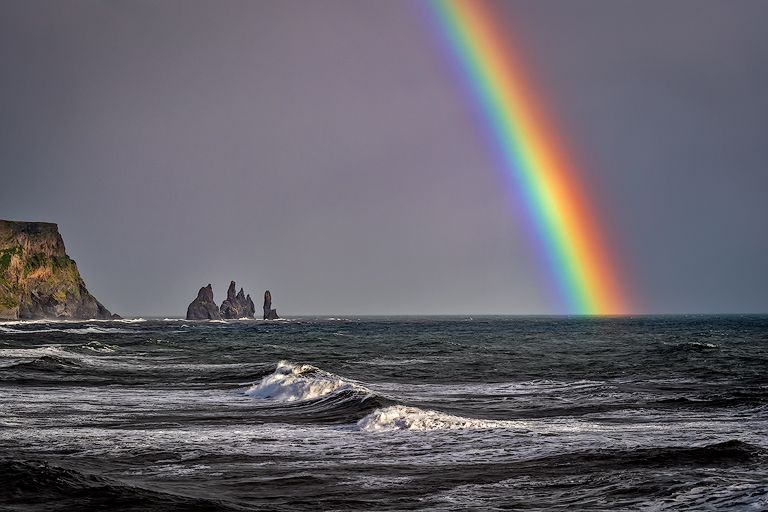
(326, 151)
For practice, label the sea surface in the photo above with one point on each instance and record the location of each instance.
(484, 413)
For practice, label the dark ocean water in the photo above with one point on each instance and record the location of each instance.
(648, 413)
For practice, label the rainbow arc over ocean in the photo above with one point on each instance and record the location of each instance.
(540, 174)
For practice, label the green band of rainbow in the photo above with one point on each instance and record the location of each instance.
(533, 161)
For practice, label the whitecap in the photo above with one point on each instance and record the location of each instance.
(401, 417)
(701, 344)
(290, 383)
(99, 347)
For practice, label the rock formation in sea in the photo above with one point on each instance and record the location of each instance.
(237, 305)
(203, 307)
(269, 313)
(38, 279)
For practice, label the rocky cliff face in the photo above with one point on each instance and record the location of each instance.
(38, 279)
(203, 307)
(237, 305)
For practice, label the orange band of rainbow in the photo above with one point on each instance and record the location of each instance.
(532, 159)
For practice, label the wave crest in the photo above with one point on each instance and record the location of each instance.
(291, 383)
(401, 417)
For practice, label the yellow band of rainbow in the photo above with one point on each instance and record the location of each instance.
(533, 160)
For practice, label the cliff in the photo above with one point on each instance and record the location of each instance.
(38, 279)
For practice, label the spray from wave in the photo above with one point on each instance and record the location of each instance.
(291, 383)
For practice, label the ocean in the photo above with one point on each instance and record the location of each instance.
(386, 413)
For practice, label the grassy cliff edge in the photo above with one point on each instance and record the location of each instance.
(38, 279)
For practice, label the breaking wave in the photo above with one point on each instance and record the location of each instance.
(302, 393)
(401, 417)
(292, 383)
(311, 391)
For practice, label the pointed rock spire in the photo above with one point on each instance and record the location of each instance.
(203, 307)
(231, 291)
(237, 304)
(269, 313)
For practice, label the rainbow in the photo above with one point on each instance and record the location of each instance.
(534, 162)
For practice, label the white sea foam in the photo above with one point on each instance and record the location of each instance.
(73, 321)
(97, 330)
(25, 322)
(99, 347)
(701, 344)
(34, 353)
(11, 330)
(62, 352)
(290, 383)
(401, 417)
(89, 329)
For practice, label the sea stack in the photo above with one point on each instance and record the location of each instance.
(237, 305)
(269, 313)
(203, 307)
(38, 279)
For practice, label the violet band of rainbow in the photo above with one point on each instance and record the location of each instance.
(534, 163)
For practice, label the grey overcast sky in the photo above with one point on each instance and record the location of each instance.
(326, 151)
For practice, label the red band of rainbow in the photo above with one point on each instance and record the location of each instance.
(532, 159)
